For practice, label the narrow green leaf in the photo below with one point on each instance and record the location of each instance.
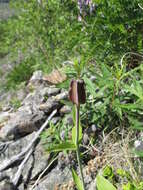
(74, 134)
(136, 89)
(129, 186)
(61, 147)
(129, 106)
(74, 114)
(104, 184)
(135, 124)
(77, 180)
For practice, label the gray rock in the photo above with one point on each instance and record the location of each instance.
(39, 95)
(68, 120)
(61, 96)
(34, 98)
(92, 186)
(138, 145)
(36, 164)
(56, 176)
(29, 109)
(53, 102)
(65, 110)
(62, 135)
(55, 120)
(21, 94)
(6, 108)
(93, 128)
(15, 147)
(36, 80)
(85, 139)
(49, 106)
(6, 185)
(49, 91)
(20, 124)
(4, 116)
(21, 187)
(37, 75)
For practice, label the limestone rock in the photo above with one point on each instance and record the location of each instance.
(6, 185)
(92, 186)
(49, 106)
(21, 124)
(56, 176)
(55, 120)
(68, 120)
(16, 147)
(61, 96)
(65, 110)
(37, 76)
(36, 164)
(33, 98)
(50, 91)
(138, 145)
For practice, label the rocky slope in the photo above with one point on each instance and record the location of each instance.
(19, 127)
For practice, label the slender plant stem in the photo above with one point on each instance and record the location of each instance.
(77, 146)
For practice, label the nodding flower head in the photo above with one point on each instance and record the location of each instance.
(77, 93)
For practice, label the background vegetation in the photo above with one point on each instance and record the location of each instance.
(105, 36)
(45, 34)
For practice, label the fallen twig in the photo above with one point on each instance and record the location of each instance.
(40, 176)
(19, 156)
(20, 168)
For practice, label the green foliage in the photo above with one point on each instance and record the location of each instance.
(3, 48)
(118, 21)
(61, 147)
(20, 73)
(74, 134)
(53, 134)
(49, 33)
(123, 173)
(129, 186)
(128, 181)
(117, 28)
(44, 35)
(114, 96)
(103, 183)
(16, 103)
(74, 127)
(44, 27)
(77, 180)
(55, 145)
(108, 172)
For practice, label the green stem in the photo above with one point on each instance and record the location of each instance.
(77, 146)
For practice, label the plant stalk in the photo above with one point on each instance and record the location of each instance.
(77, 145)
